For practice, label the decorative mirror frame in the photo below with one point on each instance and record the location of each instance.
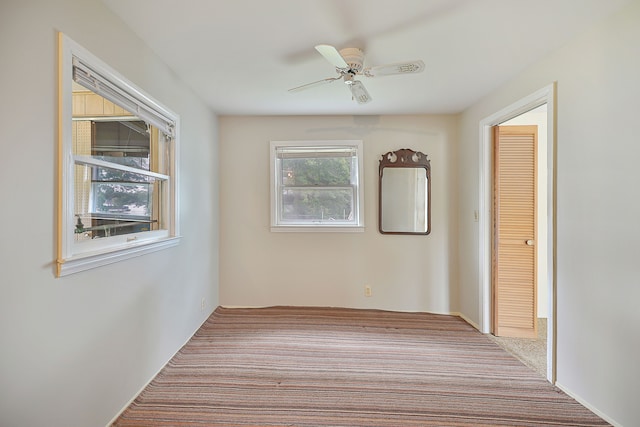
(405, 158)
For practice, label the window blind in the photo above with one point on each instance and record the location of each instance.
(315, 152)
(91, 79)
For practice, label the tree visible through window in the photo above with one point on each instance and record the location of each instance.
(317, 184)
(126, 143)
(120, 201)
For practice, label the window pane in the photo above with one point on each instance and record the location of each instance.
(109, 132)
(134, 162)
(317, 204)
(121, 198)
(110, 175)
(125, 142)
(323, 171)
(110, 202)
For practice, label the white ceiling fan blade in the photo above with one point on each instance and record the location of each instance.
(359, 93)
(332, 55)
(410, 67)
(314, 84)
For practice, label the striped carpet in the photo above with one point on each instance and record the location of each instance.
(293, 366)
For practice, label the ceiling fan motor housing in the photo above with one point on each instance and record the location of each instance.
(354, 57)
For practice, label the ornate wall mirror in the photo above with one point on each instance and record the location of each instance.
(404, 193)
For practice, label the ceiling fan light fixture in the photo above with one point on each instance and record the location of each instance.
(359, 93)
(348, 78)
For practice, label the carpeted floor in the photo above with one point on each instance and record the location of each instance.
(531, 351)
(287, 366)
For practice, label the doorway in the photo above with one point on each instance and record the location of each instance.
(514, 114)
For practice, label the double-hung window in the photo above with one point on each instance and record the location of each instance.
(118, 150)
(316, 185)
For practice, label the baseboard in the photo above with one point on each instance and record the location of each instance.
(466, 319)
(113, 420)
(587, 405)
(244, 306)
(448, 313)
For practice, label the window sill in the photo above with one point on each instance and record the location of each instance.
(86, 262)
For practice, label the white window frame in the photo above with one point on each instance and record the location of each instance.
(73, 257)
(277, 224)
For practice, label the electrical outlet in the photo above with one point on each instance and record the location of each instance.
(367, 290)
(202, 304)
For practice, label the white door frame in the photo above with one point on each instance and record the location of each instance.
(546, 95)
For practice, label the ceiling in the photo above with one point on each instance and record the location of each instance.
(242, 56)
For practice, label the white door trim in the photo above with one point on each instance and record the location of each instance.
(546, 95)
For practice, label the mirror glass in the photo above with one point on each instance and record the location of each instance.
(404, 199)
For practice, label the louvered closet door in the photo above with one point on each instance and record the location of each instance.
(514, 254)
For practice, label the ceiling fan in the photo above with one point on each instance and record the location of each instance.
(348, 63)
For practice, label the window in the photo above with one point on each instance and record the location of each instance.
(118, 150)
(316, 185)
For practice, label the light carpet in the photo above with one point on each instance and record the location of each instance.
(292, 366)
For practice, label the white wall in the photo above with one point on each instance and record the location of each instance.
(598, 288)
(75, 350)
(260, 268)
